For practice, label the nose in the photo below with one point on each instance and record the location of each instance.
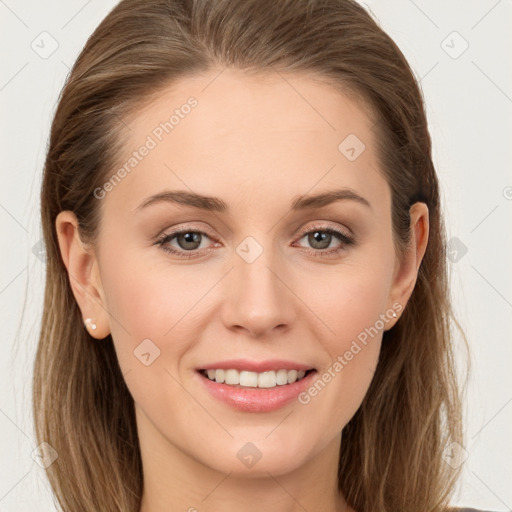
(258, 296)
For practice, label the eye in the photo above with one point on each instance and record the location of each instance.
(188, 241)
(321, 238)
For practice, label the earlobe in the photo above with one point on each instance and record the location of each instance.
(406, 270)
(81, 264)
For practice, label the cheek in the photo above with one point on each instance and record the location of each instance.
(346, 300)
(352, 302)
(153, 304)
(150, 300)
(152, 317)
(354, 316)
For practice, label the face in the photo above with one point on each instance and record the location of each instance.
(254, 275)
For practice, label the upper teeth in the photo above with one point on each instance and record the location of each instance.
(268, 379)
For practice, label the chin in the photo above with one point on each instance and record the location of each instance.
(256, 456)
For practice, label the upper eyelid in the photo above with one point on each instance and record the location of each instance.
(328, 226)
(184, 229)
(302, 232)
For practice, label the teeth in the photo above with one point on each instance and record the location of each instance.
(281, 377)
(249, 379)
(269, 379)
(231, 377)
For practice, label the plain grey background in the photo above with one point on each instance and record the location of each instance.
(459, 50)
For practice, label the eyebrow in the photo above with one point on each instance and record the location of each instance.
(214, 204)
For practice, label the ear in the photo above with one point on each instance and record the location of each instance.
(83, 271)
(406, 269)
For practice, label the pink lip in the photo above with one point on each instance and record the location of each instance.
(248, 399)
(256, 366)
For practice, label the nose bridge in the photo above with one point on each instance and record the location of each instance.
(258, 299)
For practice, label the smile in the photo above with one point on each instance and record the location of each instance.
(244, 378)
(255, 392)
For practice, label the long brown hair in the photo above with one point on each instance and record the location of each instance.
(391, 458)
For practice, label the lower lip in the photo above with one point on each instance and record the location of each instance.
(257, 399)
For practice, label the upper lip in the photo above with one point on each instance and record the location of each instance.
(256, 366)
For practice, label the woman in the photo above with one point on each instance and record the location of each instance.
(246, 304)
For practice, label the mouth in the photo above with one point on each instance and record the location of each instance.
(251, 391)
(250, 379)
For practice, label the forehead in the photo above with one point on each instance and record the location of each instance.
(230, 134)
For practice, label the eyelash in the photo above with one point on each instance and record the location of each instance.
(346, 240)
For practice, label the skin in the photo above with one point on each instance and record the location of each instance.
(257, 144)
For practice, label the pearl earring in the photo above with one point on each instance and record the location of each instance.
(394, 314)
(88, 323)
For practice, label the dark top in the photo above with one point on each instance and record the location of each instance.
(470, 510)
